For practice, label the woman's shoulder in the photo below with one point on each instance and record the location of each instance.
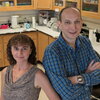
(4, 71)
(38, 69)
(39, 76)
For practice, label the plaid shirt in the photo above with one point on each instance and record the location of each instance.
(62, 61)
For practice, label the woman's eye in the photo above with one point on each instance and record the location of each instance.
(15, 48)
(24, 48)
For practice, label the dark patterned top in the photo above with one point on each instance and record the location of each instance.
(21, 89)
(62, 61)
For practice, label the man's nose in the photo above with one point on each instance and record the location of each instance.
(73, 26)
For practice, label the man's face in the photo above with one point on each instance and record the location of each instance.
(70, 24)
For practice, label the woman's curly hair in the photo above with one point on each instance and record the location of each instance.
(21, 39)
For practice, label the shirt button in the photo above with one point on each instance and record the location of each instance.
(79, 94)
(86, 88)
(87, 98)
(87, 84)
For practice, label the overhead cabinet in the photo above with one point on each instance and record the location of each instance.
(13, 5)
(59, 4)
(73, 3)
(90, 8)
(43, 4)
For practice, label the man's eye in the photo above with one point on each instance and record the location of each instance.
(77, 22)
(67, 22)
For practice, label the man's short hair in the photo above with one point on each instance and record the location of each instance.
(60, 14)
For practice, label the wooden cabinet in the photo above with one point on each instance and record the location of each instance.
(51, 39)
(43, 4)
(1, 52)
(33, 36)
(5, 42)
(58, 4)
(73, 3)
(43, 41)
(42, 44)
(13, 5)
(91, 8)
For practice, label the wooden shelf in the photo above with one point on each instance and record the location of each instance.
(90, 3)
(71, 0)
(6, 0)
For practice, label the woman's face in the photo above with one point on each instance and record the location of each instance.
(21, 52)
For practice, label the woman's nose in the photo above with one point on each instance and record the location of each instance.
(20, 52)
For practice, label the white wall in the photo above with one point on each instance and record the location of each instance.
(92, 23)
(5, 16)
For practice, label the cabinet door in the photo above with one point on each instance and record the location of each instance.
(43, 4)
(7, 5)
(91, 8)
(73, 3)
(13, 5)
(5, 42)
(33, 36)
(42, 44)
(58, 4)
(1, 52)
(51, 39)
(24, 4)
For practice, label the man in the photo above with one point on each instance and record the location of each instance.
(70, 62)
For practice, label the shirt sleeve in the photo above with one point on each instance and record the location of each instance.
(57, 75)
(92, 78)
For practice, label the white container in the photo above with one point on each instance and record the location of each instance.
(7, 4)
(33, 22)
(92, 37)
(14, 22)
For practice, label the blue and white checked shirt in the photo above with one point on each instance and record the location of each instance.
(62, 61)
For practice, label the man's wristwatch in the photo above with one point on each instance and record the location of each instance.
(80, 79)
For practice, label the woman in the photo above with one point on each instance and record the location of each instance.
(22, 80)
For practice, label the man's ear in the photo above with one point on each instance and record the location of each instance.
(59, 24)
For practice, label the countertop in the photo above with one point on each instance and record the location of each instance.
(50, 32)
(44, 29)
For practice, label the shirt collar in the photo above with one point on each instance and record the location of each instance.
(63, 42)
